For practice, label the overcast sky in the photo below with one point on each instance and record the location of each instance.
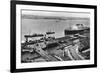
(56, 14)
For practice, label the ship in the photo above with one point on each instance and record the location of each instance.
(47, 49)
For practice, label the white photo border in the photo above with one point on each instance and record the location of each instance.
(51, 64)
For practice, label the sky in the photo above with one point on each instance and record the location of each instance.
(43, 21)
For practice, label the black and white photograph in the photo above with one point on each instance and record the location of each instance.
(52, 36)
